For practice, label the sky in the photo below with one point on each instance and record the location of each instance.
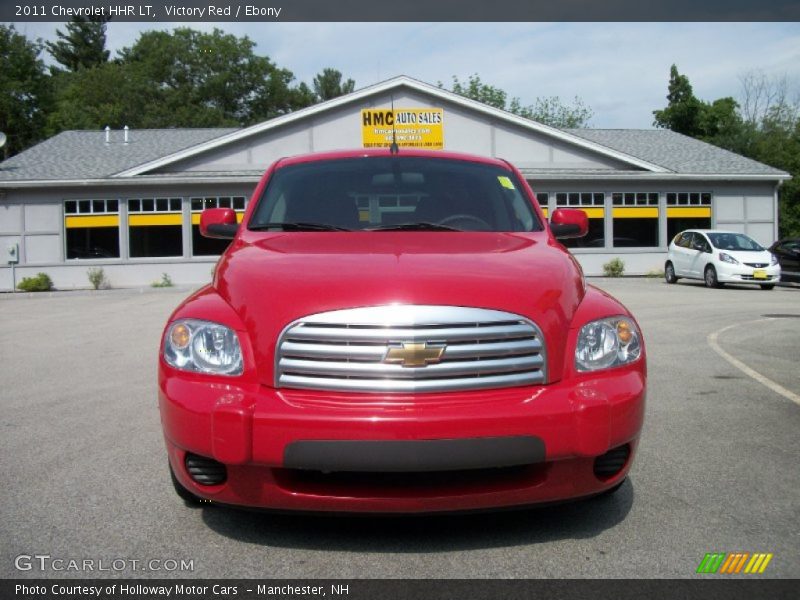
(620, 70)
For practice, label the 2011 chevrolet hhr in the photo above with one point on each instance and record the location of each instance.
(398, 331)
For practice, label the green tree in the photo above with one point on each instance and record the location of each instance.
(183, 78)
(82, 46)
(552, 111)
(777, 143)
(475, 89)
(549, 110)
(112, 94)
(682, 113)
(764, 126)
(24, 91)
(329, 84)
(213, 77)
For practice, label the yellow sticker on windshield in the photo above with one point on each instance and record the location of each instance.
(505, 182)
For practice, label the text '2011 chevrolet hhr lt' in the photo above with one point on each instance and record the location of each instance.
(398, 332)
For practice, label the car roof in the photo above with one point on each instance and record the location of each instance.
(372, 152)
(707, 231)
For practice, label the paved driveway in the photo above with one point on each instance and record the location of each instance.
(85, 476)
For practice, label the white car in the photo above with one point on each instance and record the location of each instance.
(718, 257)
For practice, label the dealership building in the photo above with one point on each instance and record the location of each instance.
(129, 201)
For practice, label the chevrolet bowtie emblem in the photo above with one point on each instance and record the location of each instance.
(414, 354)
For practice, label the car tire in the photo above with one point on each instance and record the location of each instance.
(767, 286)
(188, 497)
(669, 273)
(710, 277)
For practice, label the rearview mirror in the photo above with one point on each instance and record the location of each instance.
(569, 223)
(218, 223)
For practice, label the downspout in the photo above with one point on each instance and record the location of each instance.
(775, 211)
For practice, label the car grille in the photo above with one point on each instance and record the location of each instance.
(410, 348)
(757, 265)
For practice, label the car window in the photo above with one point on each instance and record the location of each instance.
(734, 241)
(699, 242)
(684, 239)
(790, 247)
(380, 192)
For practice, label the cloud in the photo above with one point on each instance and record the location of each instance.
(621, 70)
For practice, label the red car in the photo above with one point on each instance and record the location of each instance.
(398, 332)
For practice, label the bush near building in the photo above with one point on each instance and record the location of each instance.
(40, 283)
(614, 268)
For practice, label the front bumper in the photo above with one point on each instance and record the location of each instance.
(727, 273)
(255, 431)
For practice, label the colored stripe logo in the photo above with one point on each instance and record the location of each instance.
(734, 563)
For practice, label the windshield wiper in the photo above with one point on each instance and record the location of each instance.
(299, 226)
(422, 226)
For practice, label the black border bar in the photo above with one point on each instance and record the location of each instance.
(701, 587)
(155, 11)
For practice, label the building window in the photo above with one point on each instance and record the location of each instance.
(203, 246)
(543, 198)
(635, 223)
(688, 210)
(592, 203)
(92, 228)
(155, 227)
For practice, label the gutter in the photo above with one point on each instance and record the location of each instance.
(778, 177)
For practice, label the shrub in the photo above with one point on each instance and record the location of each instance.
(166, 281)
(97, 277)
(40, 283)
(614, 268)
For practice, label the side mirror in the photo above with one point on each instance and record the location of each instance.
(218, 223)
(569, 223)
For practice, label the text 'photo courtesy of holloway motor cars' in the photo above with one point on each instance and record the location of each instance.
(398, 332)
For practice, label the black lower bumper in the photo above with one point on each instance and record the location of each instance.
(414, 455)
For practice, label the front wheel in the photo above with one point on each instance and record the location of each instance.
(669, 273)
(710, 277)
(767, 286)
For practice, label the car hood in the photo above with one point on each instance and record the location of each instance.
(762, 257)
(273, 279)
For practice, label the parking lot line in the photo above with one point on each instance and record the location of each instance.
(778, 389)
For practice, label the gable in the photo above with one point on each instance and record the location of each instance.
(340, 127)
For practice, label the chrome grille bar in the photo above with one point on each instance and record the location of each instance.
(385, 335)
(461, 349)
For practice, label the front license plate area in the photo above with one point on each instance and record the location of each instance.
(759, 274)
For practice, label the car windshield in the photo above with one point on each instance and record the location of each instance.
(734, 241)
(392, 193)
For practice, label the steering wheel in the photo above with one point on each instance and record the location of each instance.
(482, 225)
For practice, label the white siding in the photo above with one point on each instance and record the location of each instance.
(10, 218)
(41, 249)
(43, 217)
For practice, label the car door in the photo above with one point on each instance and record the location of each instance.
(699, 255)
(789, 257)
(681, 252)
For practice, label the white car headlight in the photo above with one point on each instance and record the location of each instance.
(204, 347)
(725, 257)
(773, 260)
(607, 343)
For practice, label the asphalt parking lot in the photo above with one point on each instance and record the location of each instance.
(85, 470)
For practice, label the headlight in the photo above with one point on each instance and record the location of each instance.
(725, 257)
(607, 343)
(204, 347)
(773, 260)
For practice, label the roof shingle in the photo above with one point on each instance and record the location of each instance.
(85, 155)
(676, 152)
